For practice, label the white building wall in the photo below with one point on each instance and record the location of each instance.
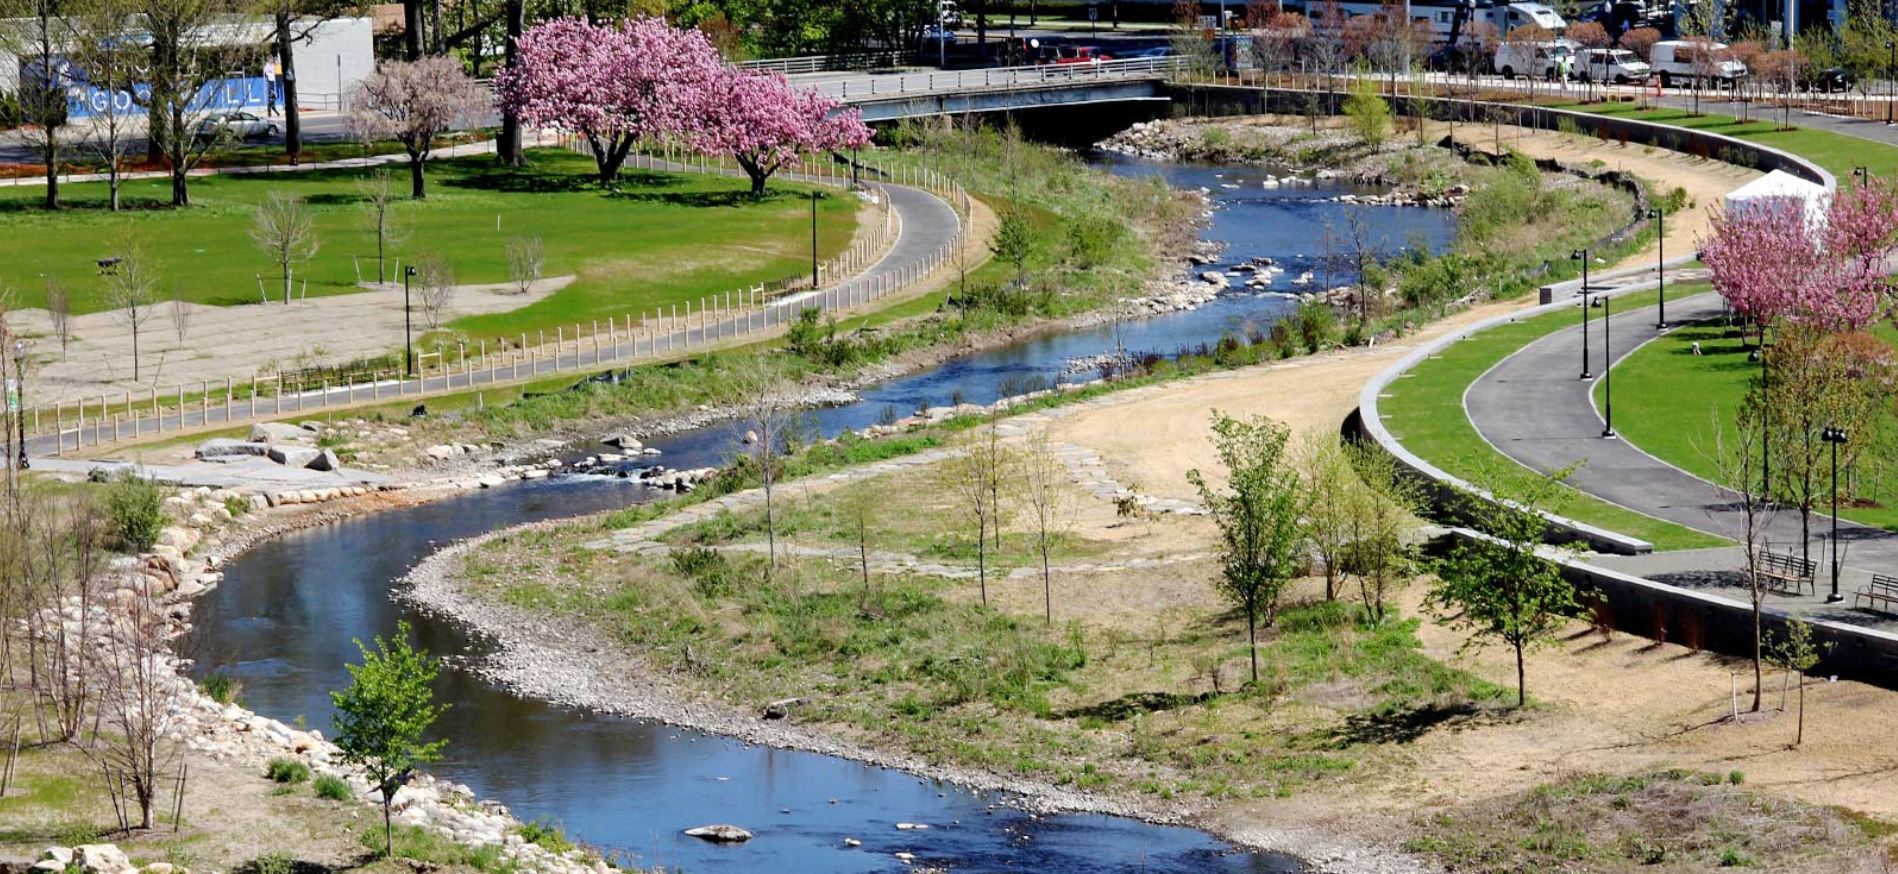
(336, 56)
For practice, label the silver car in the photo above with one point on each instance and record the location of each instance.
(236, 126)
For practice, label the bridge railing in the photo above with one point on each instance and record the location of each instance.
(830, 63)
(897, 84)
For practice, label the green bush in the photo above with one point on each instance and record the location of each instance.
(1315, 324)
(1092, 239)
(137, 508)
(270, 863)
(708, 569)
(286, 770)
(332, 787)
(220, 688)
(549, 836)
(1367, 114)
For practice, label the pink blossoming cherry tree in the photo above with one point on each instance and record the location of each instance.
(612, 86)
(766, 124)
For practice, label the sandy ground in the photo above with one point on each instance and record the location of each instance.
(235, 342)
(1706, 181)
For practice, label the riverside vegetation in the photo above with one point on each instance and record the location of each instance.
(1071, 263)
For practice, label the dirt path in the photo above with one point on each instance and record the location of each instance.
(235, 341)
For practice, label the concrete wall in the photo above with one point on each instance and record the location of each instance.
(1234, 100)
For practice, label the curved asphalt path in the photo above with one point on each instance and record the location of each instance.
(1534, 407)
(928, 222)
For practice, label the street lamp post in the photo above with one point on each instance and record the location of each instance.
(1660, 260)
(813, 240)
(1607, 368)
(1890, 68)
(408, 328)
(19, 398)
(1836, 437)
(1582, 256)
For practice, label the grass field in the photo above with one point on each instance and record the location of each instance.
(1424, 410)
(663, 238)
(1676, 406)
(1837, 153)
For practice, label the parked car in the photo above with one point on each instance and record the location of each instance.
(936, 33)
(1533, 59)
(1829, 80)
(1678, 60)
(1619, 66)
(236, 126)
(1155, 52)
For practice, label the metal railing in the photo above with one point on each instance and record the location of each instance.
(830, 63)
(898, 84)
(617, 340)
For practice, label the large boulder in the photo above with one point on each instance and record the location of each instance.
(102, 859)
(721, 833)
(278, 432)
(325, 460)
(624, 441)
(295, 456)
(226, 448)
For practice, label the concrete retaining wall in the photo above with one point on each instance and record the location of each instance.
(1235, 100)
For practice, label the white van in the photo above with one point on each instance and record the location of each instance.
(1619, 66)
(1538, 60)
(1685, 60)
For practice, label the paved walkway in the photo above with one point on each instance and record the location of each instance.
(1535, 408)
(928, 222)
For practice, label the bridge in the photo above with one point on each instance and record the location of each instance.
(892, 96)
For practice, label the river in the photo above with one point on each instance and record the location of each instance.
(283, 620)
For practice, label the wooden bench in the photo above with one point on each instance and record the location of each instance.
(1789, 572)
(1883, 589)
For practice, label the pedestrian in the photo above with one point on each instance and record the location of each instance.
(271, 70)
(1696, 348)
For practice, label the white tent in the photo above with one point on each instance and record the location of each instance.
(1780, 185)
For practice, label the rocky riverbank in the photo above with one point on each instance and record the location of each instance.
(140, 609)
(555, 660)
(1416, 174)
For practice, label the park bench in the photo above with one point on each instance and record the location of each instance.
(1883, 589)
(1788, 572)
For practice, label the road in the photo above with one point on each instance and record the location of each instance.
(1535, 408)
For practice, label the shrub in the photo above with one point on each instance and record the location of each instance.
(1367, 114)
(549, 836)
(708, 569)
(1092, 239)
(270, 863)
(137, 508)
(286, 770)
(332, 787)
(1315, 325)
(220, 688)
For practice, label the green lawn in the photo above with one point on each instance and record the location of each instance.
(1424, 410)
(665, 238)
(1838, 153)
(1677, 406)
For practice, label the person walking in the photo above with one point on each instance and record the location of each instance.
(271, 72)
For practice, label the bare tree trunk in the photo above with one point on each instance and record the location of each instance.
(1522, 678)
(412, 28)
(1252, 639)
(292, 117)
(509, 149)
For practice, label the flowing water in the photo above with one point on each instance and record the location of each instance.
(285, 616)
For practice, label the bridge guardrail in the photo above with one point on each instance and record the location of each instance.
(829, 63)
(898, 84)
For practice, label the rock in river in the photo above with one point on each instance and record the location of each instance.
(721, 833)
